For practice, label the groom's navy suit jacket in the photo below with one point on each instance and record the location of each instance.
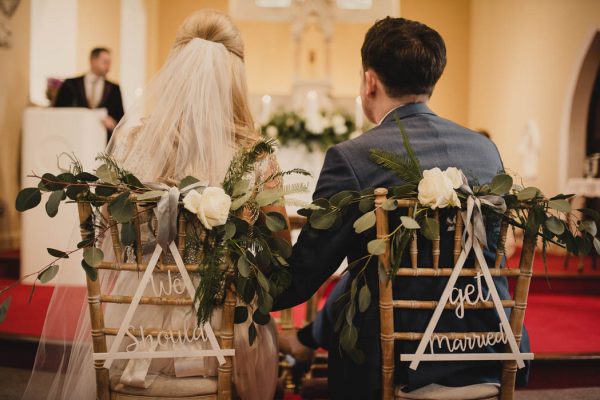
(437, 142)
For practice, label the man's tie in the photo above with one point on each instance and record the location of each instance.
(92, 96)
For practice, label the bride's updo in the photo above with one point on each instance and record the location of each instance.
(217, 27)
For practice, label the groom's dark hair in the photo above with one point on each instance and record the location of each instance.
(409, 57)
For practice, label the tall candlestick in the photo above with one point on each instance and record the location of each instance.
(358, 114)
(266, 109)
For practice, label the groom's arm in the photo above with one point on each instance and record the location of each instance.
(318, 254)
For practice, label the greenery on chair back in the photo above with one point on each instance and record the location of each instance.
(248, 256)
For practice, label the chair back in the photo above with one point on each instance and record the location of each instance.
(387, 304)
(96, 299)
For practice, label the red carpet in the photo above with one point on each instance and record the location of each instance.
(558, 321)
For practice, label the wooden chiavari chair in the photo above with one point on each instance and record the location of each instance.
(219, 387)
(387, 304)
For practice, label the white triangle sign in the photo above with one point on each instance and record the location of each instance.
(113, 354)
(505, 330)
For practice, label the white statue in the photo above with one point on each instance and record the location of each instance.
(529, 150)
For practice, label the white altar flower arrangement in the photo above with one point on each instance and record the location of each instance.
(328, 129)
(499, 200)
(244, 253)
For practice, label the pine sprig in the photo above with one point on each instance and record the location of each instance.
(244, 163)
(402, 167)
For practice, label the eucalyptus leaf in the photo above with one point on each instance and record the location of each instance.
(241, 187)
(128, 234)
(376, 247)
(323, 219)
(590, 212)
(263, 281)
(133, 181)
(48, 274)
(560, 205)
(555, 225)
(366, 204)
(382, 273)
(430, 228)
(528, 193)
(229, 230)
(53, 202)
(260, 318)
(187, 181)
(584, 245)
(348, 337)
(356, 355)
(51, 182)
(93, 256)
(91, 272)
(121, 208)
(390, 205)
(364, 298)
(243, 266)
(57, 253)
(275, 221)
(105, 174)
(365, 222)
(73, 191)
(589, 226)
(240, 201)
(265, 302)
(282, 246)
(28, 198)
(350, 312)
(240, 314)
(105, 191)
(501, 184)
(86, 177)
(268, 196)
(597, 245)
(409, 223)
(150, 195)
(252, 333)
(4, 308)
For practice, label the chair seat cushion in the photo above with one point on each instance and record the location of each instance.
(434, 391)
(168, 386)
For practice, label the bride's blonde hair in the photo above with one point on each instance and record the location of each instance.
(217, 27)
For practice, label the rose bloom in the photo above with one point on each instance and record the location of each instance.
(272, 131)
(436, 190)
(211, 207)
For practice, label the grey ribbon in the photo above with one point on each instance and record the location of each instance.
(167, 208)
(473, 217)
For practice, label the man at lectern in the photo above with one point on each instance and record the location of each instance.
(93, 90)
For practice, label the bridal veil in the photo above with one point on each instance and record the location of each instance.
(188, 121)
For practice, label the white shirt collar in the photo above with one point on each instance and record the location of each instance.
(389, 112)
(91, 77)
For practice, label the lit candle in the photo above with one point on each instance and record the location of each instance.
(266, 109)
(358, 114)
(312, 111)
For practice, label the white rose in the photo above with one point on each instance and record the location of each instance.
(340, 129)
(325, 122)
(211, 207)
(192, 201)
(436, 190)
(455, 176)
(272, 131)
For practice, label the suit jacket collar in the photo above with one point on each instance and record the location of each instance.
(407, 110)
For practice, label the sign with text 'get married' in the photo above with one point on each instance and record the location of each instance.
(472, 294)
(144, 343)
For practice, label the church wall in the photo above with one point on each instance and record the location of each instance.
(525, 56)
(99, 26)
(452, 20)
(14, 83)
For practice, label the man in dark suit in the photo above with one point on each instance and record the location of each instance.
(93, 90)
(402, 61)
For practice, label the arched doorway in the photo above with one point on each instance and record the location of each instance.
(582, 111)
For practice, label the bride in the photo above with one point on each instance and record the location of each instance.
(190, 120)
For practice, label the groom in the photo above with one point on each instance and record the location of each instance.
(402, 60)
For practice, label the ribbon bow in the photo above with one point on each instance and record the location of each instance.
(473, 217)
(166, 210)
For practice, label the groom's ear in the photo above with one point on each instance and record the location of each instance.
(371, 83)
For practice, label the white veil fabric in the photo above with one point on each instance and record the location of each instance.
(183, 124)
